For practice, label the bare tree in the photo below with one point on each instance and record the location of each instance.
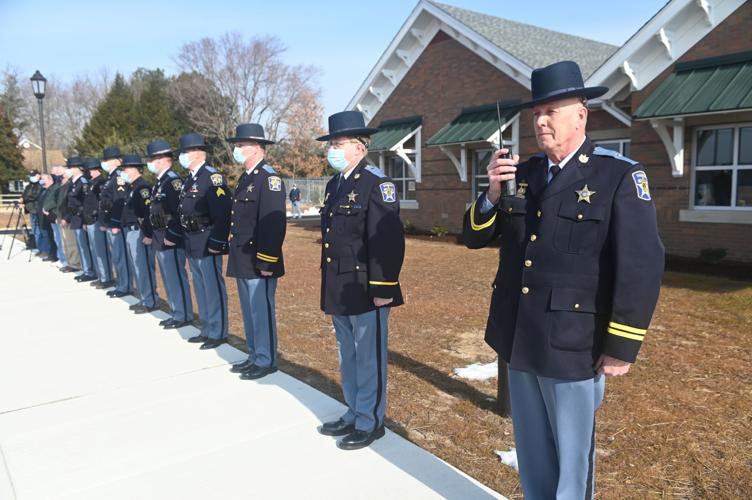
(228, 80)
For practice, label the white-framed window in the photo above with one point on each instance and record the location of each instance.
(480, 160)
(722, 167)
(622, 146)
(399, 171)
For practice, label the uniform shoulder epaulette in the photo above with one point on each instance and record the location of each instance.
(599, 151)
(172, 174)
(211, 169)
(269, 169)
(375, 171)
(84, 180)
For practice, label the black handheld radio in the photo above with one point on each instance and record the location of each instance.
(510, 186)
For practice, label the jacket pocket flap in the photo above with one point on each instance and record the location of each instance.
(582, 211)
(573, 299)
(513, 205)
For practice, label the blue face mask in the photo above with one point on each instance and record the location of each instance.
(124, 176)
(183, 160)
(336, 158)
(104, 167)
(68, 172)
(237, 155)
(150, 166)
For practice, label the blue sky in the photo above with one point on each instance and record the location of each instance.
(343, 38)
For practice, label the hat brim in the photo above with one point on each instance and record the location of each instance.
(349, 132)
(166, 152)
(586, 92)
(260, 140)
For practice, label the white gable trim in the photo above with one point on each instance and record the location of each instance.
(416, 33)
(675, 29)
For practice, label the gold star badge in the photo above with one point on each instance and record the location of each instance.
(584, 158)
(584, 194)
(250, 188)
(351, 197)
(521, 189)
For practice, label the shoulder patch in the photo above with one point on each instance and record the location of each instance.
(641, 183)
(120, 181)
(144, 193)
(177, 184)
(599, 151)
(269, 169)
(216, 179)
(376, 171)
(388, 192)
(275, 183)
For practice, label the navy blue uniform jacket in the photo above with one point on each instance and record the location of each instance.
(205, 197)
(165, 199)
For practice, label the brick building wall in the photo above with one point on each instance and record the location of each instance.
(672, 194)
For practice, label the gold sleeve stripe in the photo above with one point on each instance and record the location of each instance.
(387, 283)
(267, 258)
(626, 335)
(626, 328)
(479, 227)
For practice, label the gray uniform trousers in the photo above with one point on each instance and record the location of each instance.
(172, 268)
(98, 245)
(259, 305)
(554, 430)
(362, 346)
(142, 261)
(211, 295)
(120, 260)
(84, 250)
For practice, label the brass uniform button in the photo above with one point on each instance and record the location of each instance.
(525, 290)
(509, 210)
(577, 306)
(528, 263)
(326, 245)
(328, 259)
(533, 237)
(579, 216)
(327, 230)
(357, 268)
(331, 213)
(539, 214)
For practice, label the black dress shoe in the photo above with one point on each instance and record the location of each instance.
(360, 439)
(336, 428)
(94, 283)
(197, 339)
(68, 269)
(255, 372)
(176, 324)
(101, 285)
(85, 278)
(49, 258)
(241, 367)
(144, 309)
(133, 307)
(213, 343)
(116, 294)
(165, 321)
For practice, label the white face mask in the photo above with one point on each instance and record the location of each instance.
(68, 172)
(34, 178)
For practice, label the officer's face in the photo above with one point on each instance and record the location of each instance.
(353, 148)
(559, 123)
(132, 173)
(162, 162)
(251, 151)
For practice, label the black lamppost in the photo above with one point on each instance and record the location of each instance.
(39, 85)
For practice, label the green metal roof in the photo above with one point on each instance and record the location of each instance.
(710, 85)
(393, 131)
(474, 124)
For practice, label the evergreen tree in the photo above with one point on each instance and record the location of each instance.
(113, 123)
(157, 116)
(11, 159)
(12, 101)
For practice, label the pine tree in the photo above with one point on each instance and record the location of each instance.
(156, 115)
(11, 159)
(113, 123)
(12, 101)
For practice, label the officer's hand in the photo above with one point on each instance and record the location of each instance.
(211, 250)
(168, 243)
(147, 241)
(380, 302)
(266, 273)
(85, 226)
(500, 170)
(611, 367)
(115, 230)
(45, 212)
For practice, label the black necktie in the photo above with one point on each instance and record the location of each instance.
(555, 169)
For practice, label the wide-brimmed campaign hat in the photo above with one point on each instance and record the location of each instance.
(92, 163)
(192, 141)
(158, 148)
(250, 132)
(132, 161)
(111, 153)
(74, 161)
(559, 81)
(347, 123)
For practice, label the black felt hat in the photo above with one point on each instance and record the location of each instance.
(347, 123)
(250, 132)
(559, 81)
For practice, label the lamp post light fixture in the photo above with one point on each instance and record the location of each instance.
(39, 86)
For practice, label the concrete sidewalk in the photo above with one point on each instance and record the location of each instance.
(100, 403)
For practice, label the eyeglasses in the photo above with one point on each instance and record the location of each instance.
(341, 144)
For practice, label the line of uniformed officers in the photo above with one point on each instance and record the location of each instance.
(124, 224)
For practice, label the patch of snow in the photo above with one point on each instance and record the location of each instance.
(509, 458)
(478, 371)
